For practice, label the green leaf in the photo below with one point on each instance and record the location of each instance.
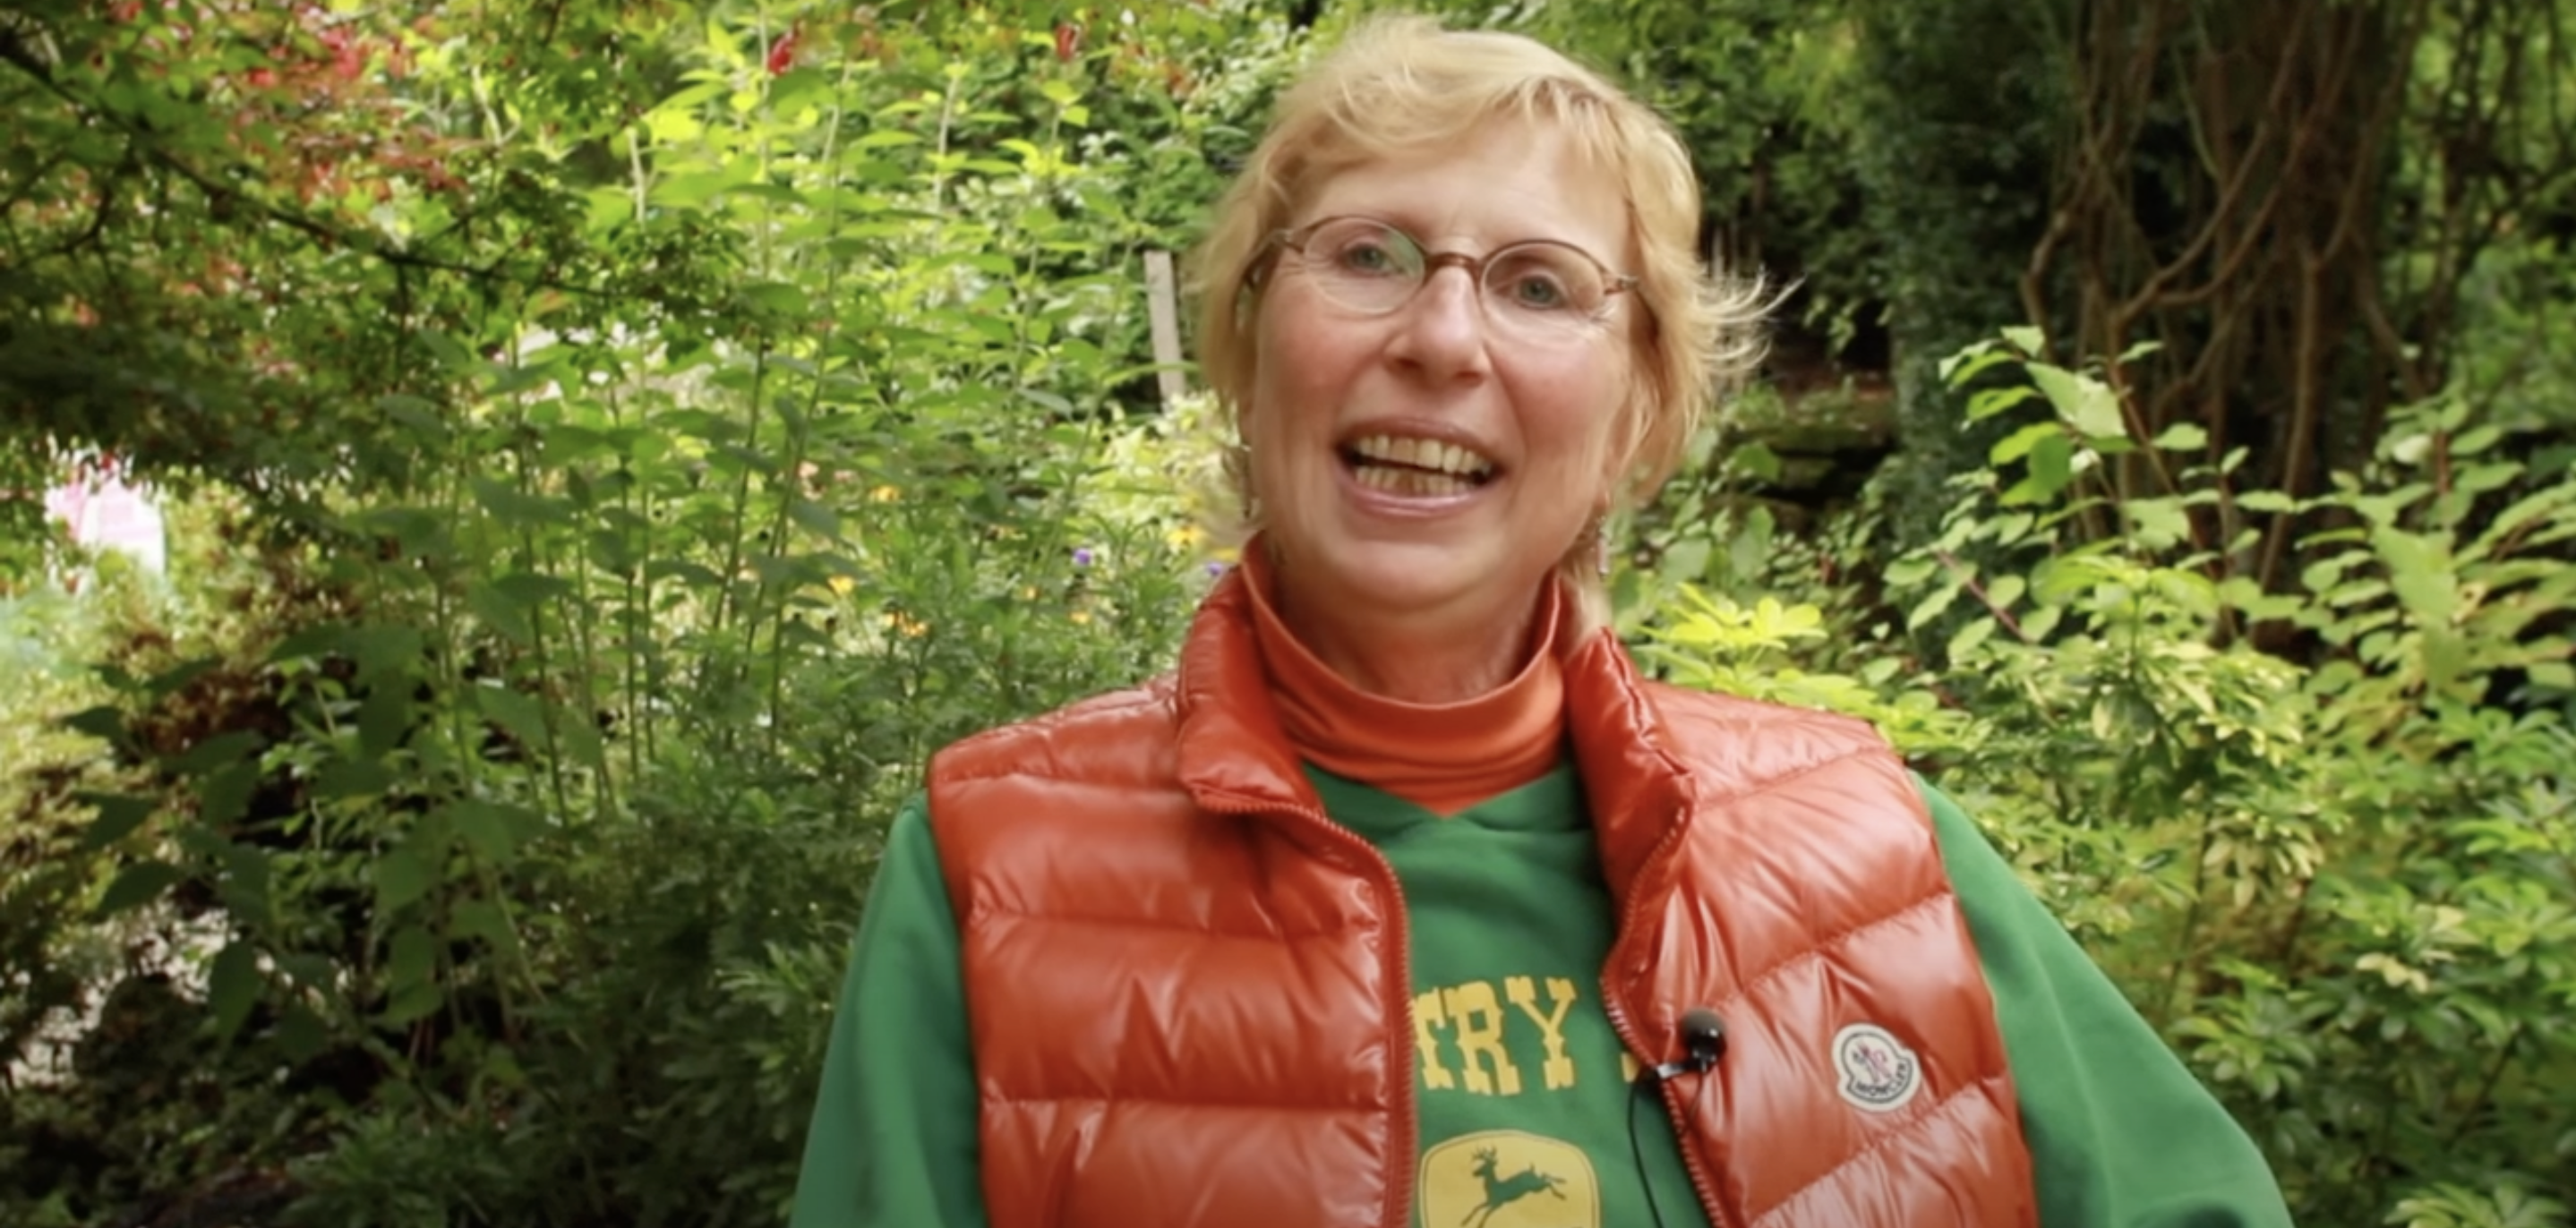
(518, 510)
(2027, 339)
(300, 1035)
(483, 919)
(2017, 445)
(170, 681)
(411, 977)
(384, 722)
(1910, 571)
(385, 655)
(1957, 369)
(2082, 401)
(137, 885)
(2475, 440)
(491, 829)
(1932, 607)
(104, 723)
(2052, 467)
(2419, 569)
(221, 750)
(1755, 460)
(402, 877)
(319, 641)
(233, 986)
(2006, 590)
(523, 715)
(224, 797)
(532, 589)
(500, 613)
(2183, 437)
(816, 518)
(1967, 639)
(246, 879)
(2157, 524)
(118, 816)
(351, 778)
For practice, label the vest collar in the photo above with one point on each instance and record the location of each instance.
(1230, 751)
(1232, 755)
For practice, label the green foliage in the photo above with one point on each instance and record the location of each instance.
(612, 446)
(674, 473)
(2337, 871)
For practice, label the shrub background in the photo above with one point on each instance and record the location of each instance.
(610, 446)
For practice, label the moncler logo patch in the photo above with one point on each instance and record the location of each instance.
(1877, 1072)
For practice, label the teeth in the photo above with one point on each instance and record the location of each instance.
(1431, 454)
(1413, 482)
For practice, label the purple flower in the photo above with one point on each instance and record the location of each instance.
(1082, 556)
(1216, 567)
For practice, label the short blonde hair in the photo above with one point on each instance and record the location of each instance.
(1401, 84)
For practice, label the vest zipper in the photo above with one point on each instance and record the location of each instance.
(1399, 1212)
(1701, 1183)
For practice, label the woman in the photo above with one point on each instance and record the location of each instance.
(1375, 911)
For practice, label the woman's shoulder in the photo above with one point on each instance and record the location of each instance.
(1714, 713)
(1084, 731)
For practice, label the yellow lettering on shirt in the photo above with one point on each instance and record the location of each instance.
(1476, 1027)
(1426, 1041)
(1558, 1070)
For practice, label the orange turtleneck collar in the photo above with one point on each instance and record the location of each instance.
(1441, 757)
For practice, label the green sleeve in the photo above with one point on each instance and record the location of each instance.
(893, 1140)
(2121, 1135)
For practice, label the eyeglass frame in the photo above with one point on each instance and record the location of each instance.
(1295, 238)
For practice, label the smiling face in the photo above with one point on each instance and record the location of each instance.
(1422, 466)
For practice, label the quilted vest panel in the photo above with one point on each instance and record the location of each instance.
(1804, 900)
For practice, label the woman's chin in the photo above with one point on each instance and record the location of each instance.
(1378, 580)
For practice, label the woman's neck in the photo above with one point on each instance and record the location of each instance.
(1409, 663)
(1444, 754)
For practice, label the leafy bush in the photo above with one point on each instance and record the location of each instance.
(2323, 838)
(517, 842)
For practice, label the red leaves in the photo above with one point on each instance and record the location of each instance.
(782, 54)
(1068, 42)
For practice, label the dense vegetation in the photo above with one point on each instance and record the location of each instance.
(610, 446)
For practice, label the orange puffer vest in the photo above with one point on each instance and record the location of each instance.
(1190, 993)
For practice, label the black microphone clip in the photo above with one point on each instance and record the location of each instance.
(1703, 1043)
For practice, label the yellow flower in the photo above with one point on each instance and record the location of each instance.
(885, 494)
(1080, 617)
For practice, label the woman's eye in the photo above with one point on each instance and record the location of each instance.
(1539, 291)
(1369, 257)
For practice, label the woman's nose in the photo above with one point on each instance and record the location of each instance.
(1442, 328)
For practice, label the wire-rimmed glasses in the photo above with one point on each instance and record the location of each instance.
(1538, 289)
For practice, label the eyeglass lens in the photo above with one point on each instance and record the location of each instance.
(1373, 267)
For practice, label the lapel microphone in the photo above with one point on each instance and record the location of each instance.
(1703, 1037)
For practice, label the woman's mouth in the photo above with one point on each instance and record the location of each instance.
(1421, 468)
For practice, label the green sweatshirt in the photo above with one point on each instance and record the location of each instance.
(1522, 1086)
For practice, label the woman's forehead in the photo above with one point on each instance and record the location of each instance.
(1508, 181)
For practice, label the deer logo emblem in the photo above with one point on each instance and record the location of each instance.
(1501, 1192)
(1507, 1179)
